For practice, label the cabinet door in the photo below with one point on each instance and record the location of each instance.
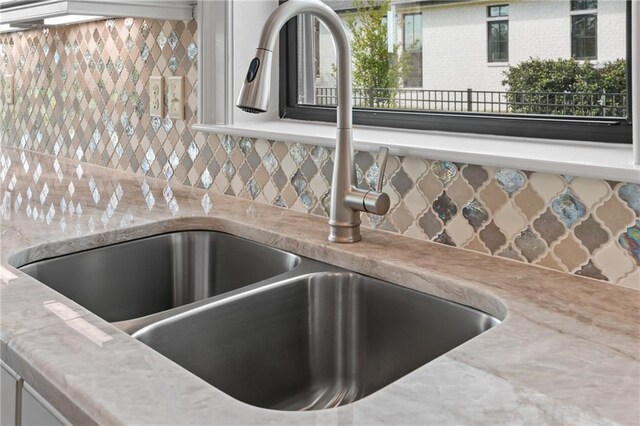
(38, 412)
(8, 396)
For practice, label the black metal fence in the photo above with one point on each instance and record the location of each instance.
(548, 103)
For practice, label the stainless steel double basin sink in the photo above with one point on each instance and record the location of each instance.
(269, 328)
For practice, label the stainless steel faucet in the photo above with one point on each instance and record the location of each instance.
(347, 200)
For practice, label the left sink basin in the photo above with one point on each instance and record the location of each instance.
(142, 277)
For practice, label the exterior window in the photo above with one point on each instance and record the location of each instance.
(498, 33)
(413, 31)
(584, 29)
(424, 65)
(412, 44)
(499, 41)
(584, 4)
(498, 11)
(584, 40)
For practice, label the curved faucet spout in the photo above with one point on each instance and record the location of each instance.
(347, 201)
(267, 44)
(341, 42)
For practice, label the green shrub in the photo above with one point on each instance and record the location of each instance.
(567, 87)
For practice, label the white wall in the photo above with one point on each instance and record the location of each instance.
(455, 40)
(327, 58)
(612, 30)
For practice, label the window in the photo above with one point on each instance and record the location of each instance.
(498, 33)
(497, 11)
(412, 44)
(499, 41)
(584, 29)
(584, 4)
(413, 31)
(537, 88)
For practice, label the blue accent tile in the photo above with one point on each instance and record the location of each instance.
(630, 193)
(299, 182)
(630, 241)
(510, 180)
(445, 171)
(568, 208)
(475, 213)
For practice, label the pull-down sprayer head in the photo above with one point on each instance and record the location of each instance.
(254, 94)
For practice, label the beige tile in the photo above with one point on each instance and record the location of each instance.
(460, 231)
(430, 186)
(590, 191)
(416, 202)
(615, 215)
(613, 261)
(571, 253)
(529, 202)
(510, 221)
(460, 191)
(547, 185)
(402, 218)
(476, 244)
(493, 197)
(415, 167)
(549, 261)
(631, 280)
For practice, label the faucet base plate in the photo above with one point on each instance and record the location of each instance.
(344, 234)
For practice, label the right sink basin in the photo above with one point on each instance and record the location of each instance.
(317, 341)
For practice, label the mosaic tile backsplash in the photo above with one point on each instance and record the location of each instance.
(81, 93)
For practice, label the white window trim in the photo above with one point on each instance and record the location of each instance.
(219, 83)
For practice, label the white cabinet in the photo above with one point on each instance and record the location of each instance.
(38, 12)
(38, 412)
(21, 405)
(8, 395)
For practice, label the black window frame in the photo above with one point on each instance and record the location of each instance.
(413, 15)
(576, 5)
(500, 8)
(491, 43)
(591, 129)
(575, 41)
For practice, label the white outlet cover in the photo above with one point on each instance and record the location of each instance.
(156, 96)
(176, 97)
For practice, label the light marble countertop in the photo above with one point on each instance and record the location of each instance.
(567, 351)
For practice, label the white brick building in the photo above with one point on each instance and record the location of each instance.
(455, 37)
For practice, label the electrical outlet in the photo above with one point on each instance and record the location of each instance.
(156, 96)
(8, 89)
(176, 97)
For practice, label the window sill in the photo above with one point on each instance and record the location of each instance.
(595, 160)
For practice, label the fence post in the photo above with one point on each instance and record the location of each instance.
(469, 100)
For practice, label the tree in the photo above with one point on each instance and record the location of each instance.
(375, 69)
(567, 87)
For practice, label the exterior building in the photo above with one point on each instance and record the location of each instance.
(457, 45)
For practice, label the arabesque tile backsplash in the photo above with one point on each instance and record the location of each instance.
(81, 93)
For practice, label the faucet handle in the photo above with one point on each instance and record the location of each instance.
(377, 202)
(383, 155)
(373, 201)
